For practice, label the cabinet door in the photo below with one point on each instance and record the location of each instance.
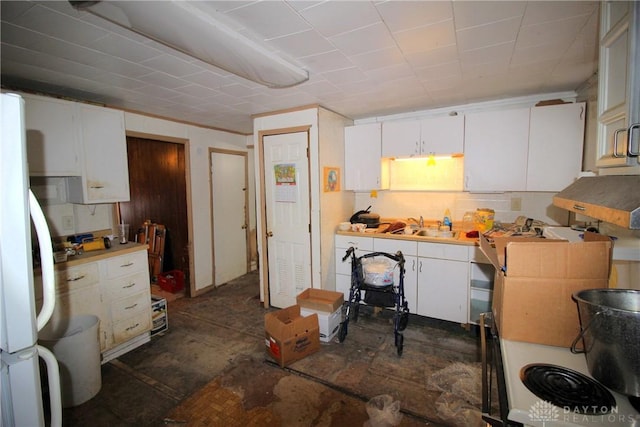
(495, 150)
(364, 167)
(105, 176)
(52, 137)
(618, 84)
(442, 135)
(443, 289)
(401, 139)
(556, 139)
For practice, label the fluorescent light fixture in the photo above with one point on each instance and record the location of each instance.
(195, 29)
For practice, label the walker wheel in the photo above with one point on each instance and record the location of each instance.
(399, 343)
(342, 333)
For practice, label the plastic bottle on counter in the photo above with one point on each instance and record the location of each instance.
(447, 219)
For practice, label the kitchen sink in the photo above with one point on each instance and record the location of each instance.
(440, 235)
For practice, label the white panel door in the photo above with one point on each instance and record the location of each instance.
(229, 210)
(287, 193)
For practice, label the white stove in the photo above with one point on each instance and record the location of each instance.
(530, 410)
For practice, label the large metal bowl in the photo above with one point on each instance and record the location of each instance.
(610, 333)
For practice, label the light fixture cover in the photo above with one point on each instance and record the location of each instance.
(189, 27)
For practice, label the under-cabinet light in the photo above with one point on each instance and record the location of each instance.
(195, 29)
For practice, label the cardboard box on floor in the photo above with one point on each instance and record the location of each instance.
(290, 336)
(535, 279)
(327, 305)
(320, 300)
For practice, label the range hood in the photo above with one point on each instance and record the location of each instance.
(612, 198)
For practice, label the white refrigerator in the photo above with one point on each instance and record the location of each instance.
(21, 401)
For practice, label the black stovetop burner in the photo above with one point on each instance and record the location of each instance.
(566, 388)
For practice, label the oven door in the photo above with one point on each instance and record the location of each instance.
(493, 382)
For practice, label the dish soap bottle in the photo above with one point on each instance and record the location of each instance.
(447, 219)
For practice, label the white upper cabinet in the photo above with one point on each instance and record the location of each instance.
(105, 173)
(433, 135)
(618, 87)
(495, 150)
(556, 140)
(52, 137)
(85, 143)
(364, 167)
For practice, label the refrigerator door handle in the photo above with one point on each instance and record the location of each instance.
(46, 262)
(53, 375)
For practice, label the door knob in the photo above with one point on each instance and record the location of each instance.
(244, 226)
(269, 234)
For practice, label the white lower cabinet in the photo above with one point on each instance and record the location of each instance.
(409, 251)
(343, 269)
(116, 290)
(443, 281)
(127, 295)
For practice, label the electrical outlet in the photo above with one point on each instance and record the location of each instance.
(67, 222)
(516, 204)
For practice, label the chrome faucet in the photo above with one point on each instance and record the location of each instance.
(420, 222)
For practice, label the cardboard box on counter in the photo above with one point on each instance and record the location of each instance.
(535, 279)
(289, 336)
(320, 300)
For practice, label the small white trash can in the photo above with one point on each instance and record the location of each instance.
(76, 345)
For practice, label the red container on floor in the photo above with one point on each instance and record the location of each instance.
(171, 281)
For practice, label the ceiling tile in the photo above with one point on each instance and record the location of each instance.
(305, 43)
(406, 15)
(171, 65)
(426, 38)
(541, 12)
(490, 34)
(474, 13)
(269, 19)
(334, 17)
(432, 57)
(363, 40)
(379, 59)
(327, 61)
(561, 32)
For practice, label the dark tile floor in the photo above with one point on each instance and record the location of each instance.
(220, 335)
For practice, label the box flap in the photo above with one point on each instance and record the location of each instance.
(546, 259)
(320, 299)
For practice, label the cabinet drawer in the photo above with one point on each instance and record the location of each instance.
(126, 307)
(358, 242)
(443, 251)
(126, 264)
(131, 327)
(77, 277)
(407, 247)
(124, 286)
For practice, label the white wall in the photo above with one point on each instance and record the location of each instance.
(431, 205)
(197, 152)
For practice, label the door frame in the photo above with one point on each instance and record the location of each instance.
(187, 171)
(245, 155)
(262, 256)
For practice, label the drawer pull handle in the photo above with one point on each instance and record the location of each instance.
(129, 264)
(130, 328)
(131, 306)
(75, 279)
(130, 285)
(96, 186)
